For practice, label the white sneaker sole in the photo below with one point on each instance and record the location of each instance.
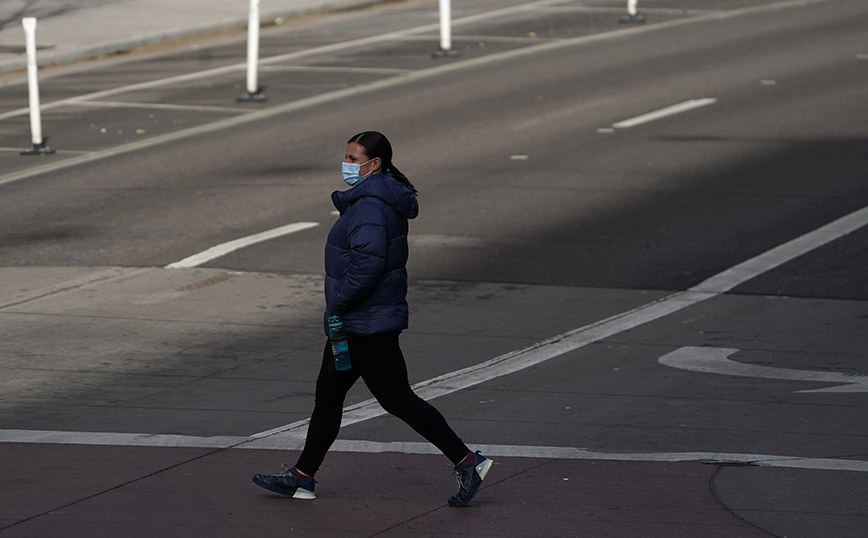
(303, 494)
(482, 468)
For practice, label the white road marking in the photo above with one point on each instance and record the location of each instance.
(572, 453)
(712, 360)
(732, 277)
(463, 38)
(158, 106)
(620, 10)
(315, 69)
(373, 447)
(232, 246)
(116, 439)
(664, 113)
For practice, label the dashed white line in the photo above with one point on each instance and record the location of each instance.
(231, 246)
(664, 112)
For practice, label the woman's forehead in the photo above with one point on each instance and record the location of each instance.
(354, 149)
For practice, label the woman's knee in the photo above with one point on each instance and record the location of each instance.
(400, 402)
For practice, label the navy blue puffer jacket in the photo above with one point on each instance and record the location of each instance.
(366, 256)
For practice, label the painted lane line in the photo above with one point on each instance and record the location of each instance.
(711, 360)
(115, 439)
(474, 39)
(573, 453)
(386, 83)
(664, 112)
(738, 274)
(400, 447)
(237, 244)
(619, 10)
(158, 106)
(343, 70)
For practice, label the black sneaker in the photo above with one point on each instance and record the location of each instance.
(470, 479)
(286, 483)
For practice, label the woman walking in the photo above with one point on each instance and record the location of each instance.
(366, 287)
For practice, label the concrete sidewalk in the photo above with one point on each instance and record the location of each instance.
(67, 34)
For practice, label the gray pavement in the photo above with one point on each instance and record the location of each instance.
(191, 477)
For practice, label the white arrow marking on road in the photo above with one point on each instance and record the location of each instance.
(714, 360)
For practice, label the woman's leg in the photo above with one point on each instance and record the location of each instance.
(380, 362)
(325, 422)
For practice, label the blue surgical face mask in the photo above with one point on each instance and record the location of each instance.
(352, 173)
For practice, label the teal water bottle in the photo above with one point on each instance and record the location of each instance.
(338, 339)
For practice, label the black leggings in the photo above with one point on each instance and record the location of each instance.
(378, 360)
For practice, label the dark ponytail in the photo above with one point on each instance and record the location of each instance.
(376, 145)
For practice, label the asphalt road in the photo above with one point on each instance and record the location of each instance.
(541, 213)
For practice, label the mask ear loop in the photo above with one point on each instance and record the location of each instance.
(372, 170)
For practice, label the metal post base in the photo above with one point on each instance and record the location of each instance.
(638, 18)
(257, 97)
(443, 53)
(38, 149)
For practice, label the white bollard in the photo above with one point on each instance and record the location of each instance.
(254, 91)
(39, 147)
(633, 14)
(445, 25)
(445, 31)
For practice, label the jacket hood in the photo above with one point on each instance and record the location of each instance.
(384, 187)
